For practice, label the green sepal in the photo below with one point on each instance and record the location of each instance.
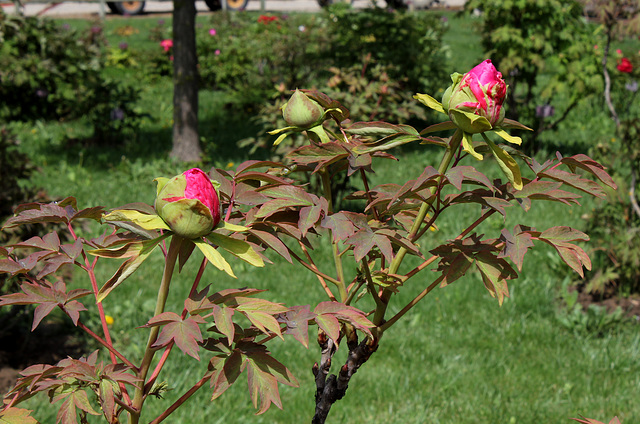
(321, 134)
(145, 221)
(162, 181)
(429, 102)
(280, 138)
(508, 137)
(280, 130)
(467, 146)
(508, 165)
(239, 248)
(213, 256)
(470, 122)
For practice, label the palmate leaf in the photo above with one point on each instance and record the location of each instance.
(260, 312)
(47, 296)
(283, 197)
(587, 164)
(366, 239)
(225, 372)
(185, 333)
(268, 239)
(340, 225)
(63, 211)
(575, 181)
(516, 244)
(15, 415)
(571, 254)
(263, 375)
(329, 313)
(136, 252)
(495, 272)
(297, 320)
(320, 155)
(223, 318)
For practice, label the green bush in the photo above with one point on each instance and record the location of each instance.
(249, 54)
(409, 44)
(48, 71)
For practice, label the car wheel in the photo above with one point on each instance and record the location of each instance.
(112, 7)
(237, 4)
(127, 7)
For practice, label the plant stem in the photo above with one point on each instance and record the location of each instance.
(163, 292)
(411, 304)
(107, 345)
(182, 400)
(448, 156)
(342, 288)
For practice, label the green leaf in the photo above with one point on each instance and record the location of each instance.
(329, 324)
(233, 227)
(441, 126)
(495, 273)
(223, 318)
(213, 256)
(508, 165)
(344, 313)
(429, 102)
(239, 248)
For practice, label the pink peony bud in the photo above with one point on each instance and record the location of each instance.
(474, 100)
(625, 66)
(188, 203)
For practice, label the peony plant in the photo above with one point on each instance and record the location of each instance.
(269, 211)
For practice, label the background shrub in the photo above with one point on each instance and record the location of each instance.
(49, 71)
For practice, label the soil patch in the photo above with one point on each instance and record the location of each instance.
(630, 305)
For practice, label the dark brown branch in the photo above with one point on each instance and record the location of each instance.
(331, 388)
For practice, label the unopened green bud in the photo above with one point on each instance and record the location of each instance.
(300, 111)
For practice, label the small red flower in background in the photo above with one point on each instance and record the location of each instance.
(625, 66)
(264, 19)
(166, 45)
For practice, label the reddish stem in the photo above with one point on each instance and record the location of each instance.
(180, 401)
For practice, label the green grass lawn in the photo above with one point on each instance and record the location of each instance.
(458, 358)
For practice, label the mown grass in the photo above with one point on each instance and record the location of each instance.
(458, 358)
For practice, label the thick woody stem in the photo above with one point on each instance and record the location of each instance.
(331, 388)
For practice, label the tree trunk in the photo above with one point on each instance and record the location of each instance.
(186, 142)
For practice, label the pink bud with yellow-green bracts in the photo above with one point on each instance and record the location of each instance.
(188, 203)
(474, 100)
